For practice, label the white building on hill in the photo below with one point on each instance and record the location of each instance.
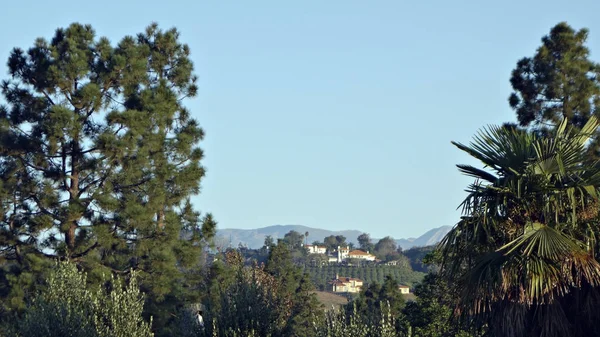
(361, 255)
(313, 249)
(342, 253)
(345, 284)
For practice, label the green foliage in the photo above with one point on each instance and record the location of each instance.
(98, 161)
(269, 242)
(523, 259)
(316, 260)
(386, 249)
(373, 297)
(418, 258)
(353, 324)
(558, 82)
(364, 242)
(431, 315)
(247, 306)
(293, 239)
(304, 306)
(333, 241)
(66, 307)
(274, 300)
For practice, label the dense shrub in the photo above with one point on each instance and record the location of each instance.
(66, 307)
(250, 304)
(340, 323)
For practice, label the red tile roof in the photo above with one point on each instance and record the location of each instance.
(341, 280)
(358, 252)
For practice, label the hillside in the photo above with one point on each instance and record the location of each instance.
(320, 276)
(254, 238)
(330, 300)
(430, 238)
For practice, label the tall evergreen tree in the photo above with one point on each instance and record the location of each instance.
(376, 296)
(99, 158)
(303, 306)
(559, 81)
(431, 314)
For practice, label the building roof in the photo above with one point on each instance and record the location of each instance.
(336, 282)
(341, 280)
(358, 252)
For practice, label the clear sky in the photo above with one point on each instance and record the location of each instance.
(332, 114)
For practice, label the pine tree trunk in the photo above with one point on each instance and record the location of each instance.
(73, 196)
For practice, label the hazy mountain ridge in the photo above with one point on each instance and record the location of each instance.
(430, 237)
(254, 238)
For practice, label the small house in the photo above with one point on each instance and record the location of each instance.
(346, 284)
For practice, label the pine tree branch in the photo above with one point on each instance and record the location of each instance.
(115, 100)
(26, 163)
(100, 182)
(43, 209)
(33, 80)
(85, 252)
(47, 97)
(89, 150)
(143, 181)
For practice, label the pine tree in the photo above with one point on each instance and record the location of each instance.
(99, 159)
(304, 307)
(373, 297)
(559, 81)
(431, 315)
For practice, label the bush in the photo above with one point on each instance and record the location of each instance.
(354, 324)
(66, 307)
(249, 306)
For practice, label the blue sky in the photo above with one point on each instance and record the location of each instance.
(332, 114)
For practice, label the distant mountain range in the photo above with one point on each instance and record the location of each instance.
(430, 237)
(255, 238)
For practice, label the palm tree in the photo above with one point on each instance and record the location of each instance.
(524, 255)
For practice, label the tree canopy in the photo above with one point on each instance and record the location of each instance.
(387, 249)
(333, 241)
(525, 250)
(294, 239)
(558, 82)
(365, 243)
(99, 158)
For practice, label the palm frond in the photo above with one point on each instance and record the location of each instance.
(477, 173)
(526, 245)
(541, 265)
(504, 150)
